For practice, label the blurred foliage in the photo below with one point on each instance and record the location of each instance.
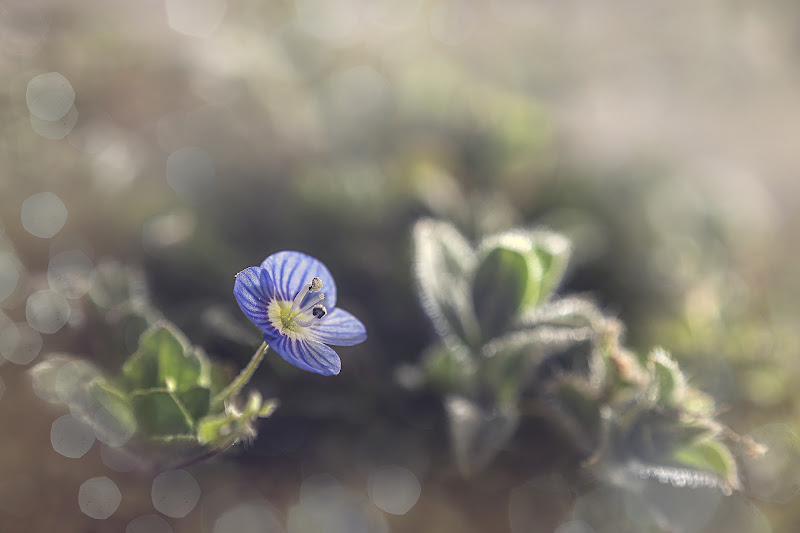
(171, 405)
(338, 146)
(511, 349)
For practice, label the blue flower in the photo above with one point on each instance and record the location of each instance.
(291, 297)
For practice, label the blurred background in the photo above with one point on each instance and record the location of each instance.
(189, 139)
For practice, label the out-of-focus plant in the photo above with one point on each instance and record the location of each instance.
(509, 349)
(171, 405)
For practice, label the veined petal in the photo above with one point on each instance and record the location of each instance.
(339, 328)
(252, 297)
(307, 354)
(290, 271)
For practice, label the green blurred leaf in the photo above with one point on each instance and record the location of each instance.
(114, 421)
(709, 455)
(196, 401)
(553, 251)
(444, 261)
(569, 312)
(164, 359)
(523, 277)
(178, 366)
(140, 371)
(698, 403)
(670, 476)
(502, 282)
(669, 380)
(159, 412)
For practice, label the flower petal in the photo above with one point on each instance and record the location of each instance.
(252, 297)
(339, 328)
(290, 271)
(306, 354)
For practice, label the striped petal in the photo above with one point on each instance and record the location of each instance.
(339, 328)
(290, 271)
(306, 354)
(253, 296)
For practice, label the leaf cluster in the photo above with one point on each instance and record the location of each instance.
(509, 350)
(170, 405)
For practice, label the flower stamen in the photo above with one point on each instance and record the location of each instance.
(315, 301)
(314, 286)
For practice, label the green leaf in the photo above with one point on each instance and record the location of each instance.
(443, 264)
(669, 380)
(698, 403)
(159, 412)
(709, 455)
(140, 371)
(564, 312)
(114, 420)
(164, 359)
(671, 476)
(178, 366)
(502, 282)
(553, 251)
(196, 401)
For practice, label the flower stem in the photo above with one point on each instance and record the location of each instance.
(241, 380)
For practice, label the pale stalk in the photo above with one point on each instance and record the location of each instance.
(241, 380)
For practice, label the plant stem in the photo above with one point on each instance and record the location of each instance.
(241, 380)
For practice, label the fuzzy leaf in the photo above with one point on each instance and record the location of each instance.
(710, 455)
(140, 371)
(563, 312)
(502, 281)
(113, 420)
(669, 380)
(443, 264)
(159, 412)
(671, 475)
(553, 251)
(177, 363)
(164, 359)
